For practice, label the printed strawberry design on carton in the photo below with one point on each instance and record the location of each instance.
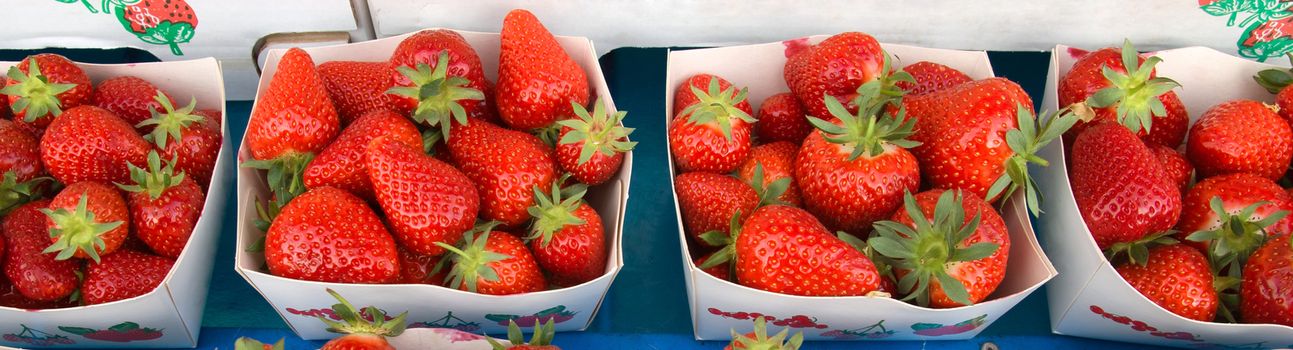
(37, 338)
(124, 332)
(157, 22)
(557, 313)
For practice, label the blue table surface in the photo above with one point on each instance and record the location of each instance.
(647, 305)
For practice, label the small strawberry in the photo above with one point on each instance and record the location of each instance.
(42, 86)
(357, 245)
(834, 68)
(164, 206)
(129, 97)
(1276, 81)
(1119, 186)
(89, 143)
(425, 200)
(1267, 289)
(782, 118)
(35, 274)
(419, 269)
(930, 77)
(776, 161)
(123, 275)
(1177, 278)
(341, 164)
(245, 343)
(20, 166)
(567, 236)
(358, 88)
(1241, 136)
(493, 262)
(183, 134)
(759, 339)
(439, 75)
(291, 122)
(505, 165)
(775, 237)
(1117, 84)
(592, 146)
(1179, 170)
(359, 333)
(87, 220)
(537, 79)
(708, 201)
(1229, 216)
(711, 128)
(541, 339)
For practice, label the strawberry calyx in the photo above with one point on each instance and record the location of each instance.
(770, 194)
(430, 138)
(890, 78)
(245, 343)
(717, 107)
(1274, 79)
(759, 339)
(1137, 252)
(1025, 141)
(437, 93)
(927, 250)
(553, 213)
(726, 240)
(1135, 93)
(882, 263)
(36, 94)
(599, 132)
(543, 334)
(14, 193)
(285, 174)
(872, 128)
(77, 230)
(170, 121)
(353, 322)
(472, 261)
(154, 180)
(1236, 236)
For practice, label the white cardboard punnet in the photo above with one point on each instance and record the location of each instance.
(299, 302)
(1089, 298)
(175, 308)
(718, 306)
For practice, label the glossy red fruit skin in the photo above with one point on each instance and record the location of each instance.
(980, 277)
(59, 70)
(123, 275)
(19, 152)
(577, 253)
(537, 79)
(35, 275)
(834, 67)
(425, 200)
(1120, 186)
(424, 47)
(332, 220)
(1177, 278)
(703, 147)
(683, 97)
(786, 250)
(1086, 77)
(11, 297)
(5, 112)
(358, 342)
(707, 201)
(214, 120)
(129, 97)
(89, 143)
(778, 162)
(196, 152)
(1179, 170)
(720, 271)
(931, 77)
(166, 223)
(294, 114)
(107, 204)
(341, 164)
(850, 195)
(505, 165)
(1284, 99)
(1241, 136)
(416, 268)
(517, 274)
(782, 118)
(358, 88)
(596, 170)
(1236, 191)
(1266, 293)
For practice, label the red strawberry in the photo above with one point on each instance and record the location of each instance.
(931, 77)
(708, 201)
(359, 333)
(87, 220)
(129, 97)
(91, 144)
(164, 206)
(1179, 171)
(359, 250)
(160, 22)
(1276, 81)
(419, 269)
(721, 271)
(493, 262)
(536, 78)
(124, 275)
(358, 88)
(759, 339)
(592, 146)
(777, 161)
(213, 119)
(6, 113)
(1152, 111)
(341, 164)
(835, 68)
(425, 200)
(35, 274)
(1120, 186)
(566, 236)
(541, 339)
(1177, 278)
(444, 60)
(19, 166)
(291, 122)
(1214, 208)
(1267, 289)
(11, 297)
(782, 118)
(505, 165)
(776, 237)
(973, 247)
(711, 127)
(42, 86)
(1241, 136)
(185, 136)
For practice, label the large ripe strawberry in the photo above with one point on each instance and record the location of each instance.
(89, 143)
(441, 75)
(20, 166)
(123, 275)
(164, 206)
(359, 333)
(592, 146)
(1120, 186)
(536, 78)
(775, 237)
(425, 200)
(949, 248)
(1276, 81)
(708, 201)
(358, 88)
(782, 118)
(1177, 278)
(1229, 216)
(773, 161)
(35, 274)
(493, 262)
(1117, 84)
(292, 121)
(160, 22)
(129, 97)
(1179, 170)
(1241, 136)
(329, 235)
(759, 339)
(712, 127)
(505, 165)
(1267, 289)
(185, 136)
(42, 86)
(834, 68)
(929, 77)
(341, 164)
(567, 236)
(540, 339)
(87, 220)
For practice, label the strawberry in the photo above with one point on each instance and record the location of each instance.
(782, 118)
(129, 97)
(329, 235)
(5, 112)
(1241, 136)
(42, 86)
(1229, 216)
(1276, 82)
(159, 22)
(359, 333)
(419, 269)
(292, 121)
(1117, 84)
(87, 220)
(536, 78)
(721, 271)
(245, 343)
(834, 68)
(1177, 278)
(184, 135)
(494, 263)
(444, 60)
(20, 166)
(35, 274)
(759, 339)
(1267, 288)
(91, 144)
(930, 77)
(567, 236)
(341, 164)
(505, 165)
(711, 128)
(1179, 170)
(708, 201)
(406, 181)
(124, 275)
(944, 256)
(358, 88)
(11, 297)
(1120, 186)
(213, 119)
(776, 161)
(540, 339)
(164, 206)
(775, 237)
(592, 146)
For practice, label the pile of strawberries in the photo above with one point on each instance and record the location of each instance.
(418, 170)
(905, 164)
(102, 183)
(1212, 249)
